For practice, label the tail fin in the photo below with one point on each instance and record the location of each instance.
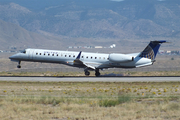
(151, 50)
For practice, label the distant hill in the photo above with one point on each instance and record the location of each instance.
(62, 20)
(95, 18)
(14, 37)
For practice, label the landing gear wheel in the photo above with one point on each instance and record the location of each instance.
(19, 66)
(87, 73)
(97, 74)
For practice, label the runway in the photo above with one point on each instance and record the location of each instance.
(91, 79)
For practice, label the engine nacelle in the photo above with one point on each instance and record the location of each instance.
(120, 57)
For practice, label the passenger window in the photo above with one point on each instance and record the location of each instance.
(36, 53)
(104, 58)
(91, 57)
(65, 55)
(95, 57)
(87, 57)
(99, 57)
(69, 55)
(73, 55)
(44, 54)
(82, 57)
(39, 53)
(57, 54)
(52, 54)
(48, 54)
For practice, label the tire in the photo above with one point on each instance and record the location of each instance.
(87, 73)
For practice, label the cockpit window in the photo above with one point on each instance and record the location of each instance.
(24, 51)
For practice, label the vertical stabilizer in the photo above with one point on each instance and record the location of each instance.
(151, 50)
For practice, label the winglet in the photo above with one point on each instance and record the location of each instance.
(77, 60)
(79, 55)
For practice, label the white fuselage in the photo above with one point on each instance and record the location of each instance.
(97, 60)
(91, 61)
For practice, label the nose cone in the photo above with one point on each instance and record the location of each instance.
(15, 57)
(12, 57)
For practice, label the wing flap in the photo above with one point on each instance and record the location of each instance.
(89, 66)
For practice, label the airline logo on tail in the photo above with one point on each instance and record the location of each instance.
(151, 50)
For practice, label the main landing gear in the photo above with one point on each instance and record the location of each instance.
(97, 73)
(19, 64)
(87, 73)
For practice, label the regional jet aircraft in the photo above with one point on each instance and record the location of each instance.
(91, 61)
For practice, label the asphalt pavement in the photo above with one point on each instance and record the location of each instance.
(91, 79)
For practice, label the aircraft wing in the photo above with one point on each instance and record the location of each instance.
(89, 66)
(78, 62)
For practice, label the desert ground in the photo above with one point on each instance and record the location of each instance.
(89, 100)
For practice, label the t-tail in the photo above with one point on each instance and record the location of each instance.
(151, 50)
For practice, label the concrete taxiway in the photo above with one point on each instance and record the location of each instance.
(91, 79)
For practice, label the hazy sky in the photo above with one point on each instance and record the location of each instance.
(117, 0)
(123, 0)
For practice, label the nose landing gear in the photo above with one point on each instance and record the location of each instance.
(19, 64)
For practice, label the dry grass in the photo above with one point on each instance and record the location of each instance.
(86, 100)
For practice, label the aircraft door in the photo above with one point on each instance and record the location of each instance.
(30, 54)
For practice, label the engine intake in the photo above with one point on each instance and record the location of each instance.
(120, 57)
